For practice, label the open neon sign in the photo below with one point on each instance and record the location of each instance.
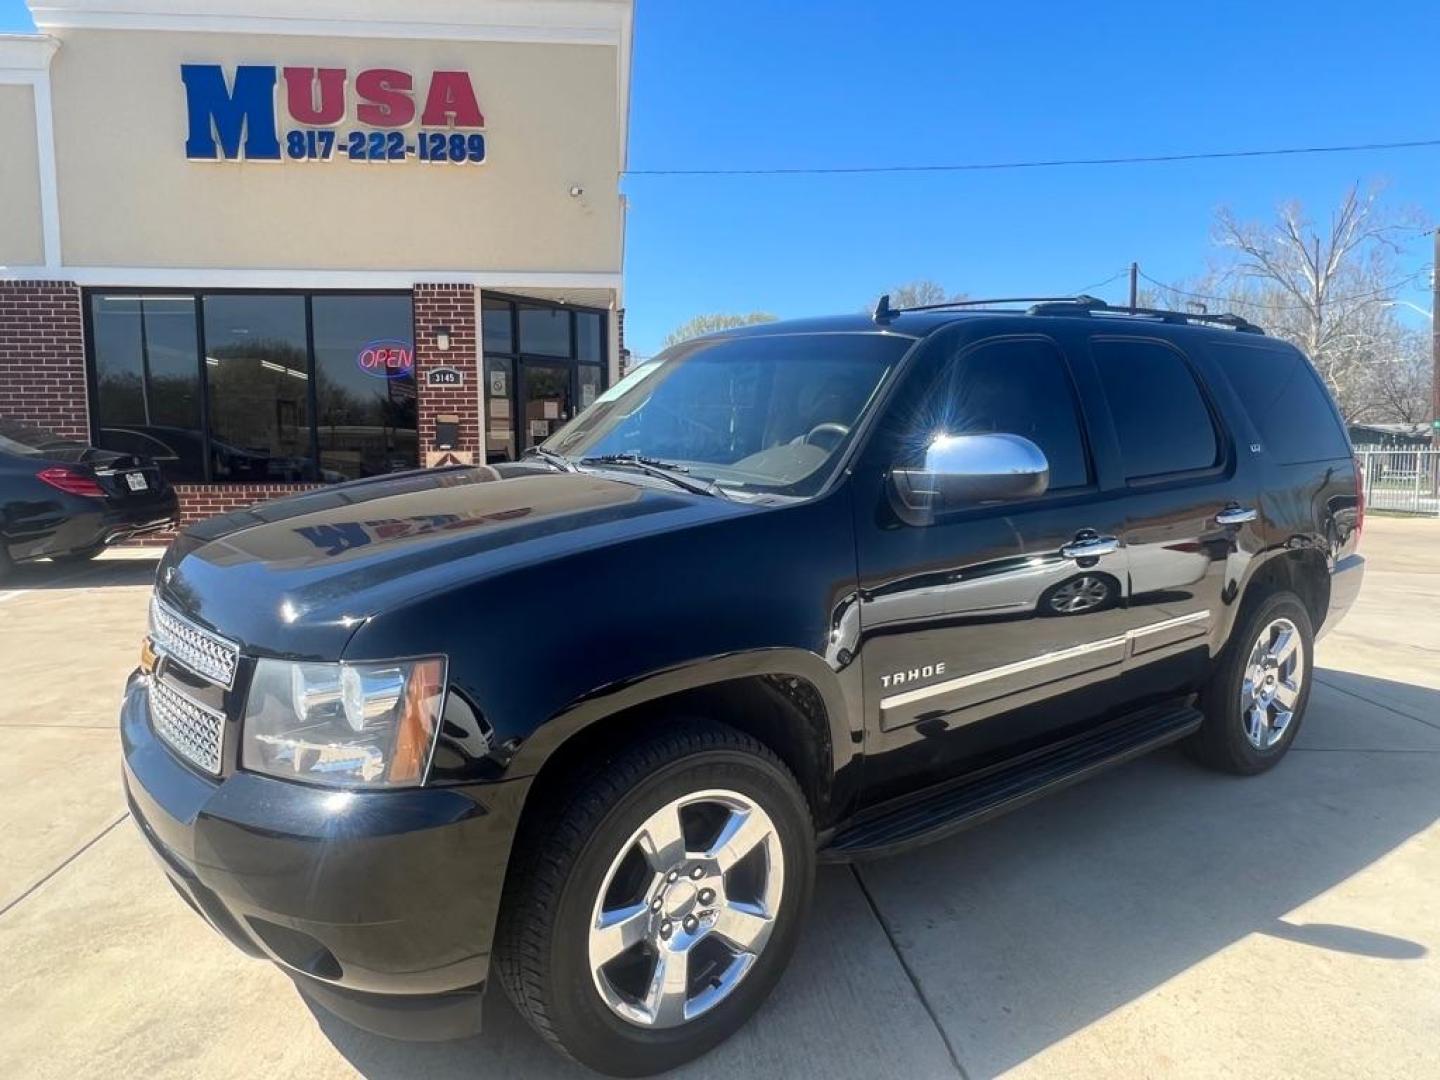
(387, 358)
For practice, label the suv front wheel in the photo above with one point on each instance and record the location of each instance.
(1256, 698)
(650, 914)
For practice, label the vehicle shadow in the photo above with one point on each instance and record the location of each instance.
(133, 567)
(1028, 929)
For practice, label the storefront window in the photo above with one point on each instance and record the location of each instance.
(497, 325)
(499, 418)
(364, 411)
(259, 387)
(147, 380)
(263, 351)
(544, 331)
(590, 383)
(588, 330)
(536, 379)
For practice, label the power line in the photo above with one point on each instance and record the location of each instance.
(991, 166)
(1101, 284)
(1286, 307)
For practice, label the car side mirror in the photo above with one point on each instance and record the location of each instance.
(966, 470)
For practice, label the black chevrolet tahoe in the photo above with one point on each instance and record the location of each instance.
(584, 724)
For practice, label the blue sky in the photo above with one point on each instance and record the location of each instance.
(808, 83)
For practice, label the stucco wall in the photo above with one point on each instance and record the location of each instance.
(21, 243)
(130, 198)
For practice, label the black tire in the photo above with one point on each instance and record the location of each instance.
(81, 555)
(1221, 742)
(562, 857)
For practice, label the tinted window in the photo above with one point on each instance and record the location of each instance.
(588, 330)
(545, 331)
(259, 381)
(1160, 417)
(365, 409)
(1285, 400)
(1017, 388)
(147, 384)
(497, 325)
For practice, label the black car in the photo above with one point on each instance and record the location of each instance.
(63, 500)
(584, 724)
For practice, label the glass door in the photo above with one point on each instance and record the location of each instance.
(545, 402)
(543, 363)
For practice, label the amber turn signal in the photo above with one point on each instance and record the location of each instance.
(148, 658)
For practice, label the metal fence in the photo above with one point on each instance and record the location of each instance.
(1403, 479)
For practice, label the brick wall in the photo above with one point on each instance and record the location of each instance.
(42, 356)
(452, 306)
(200, 501)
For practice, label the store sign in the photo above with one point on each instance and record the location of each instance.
(386, 358)
(326, 115)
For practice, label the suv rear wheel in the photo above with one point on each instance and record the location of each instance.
(1255, 700)
(653, 911)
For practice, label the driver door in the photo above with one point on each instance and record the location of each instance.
(994, 625)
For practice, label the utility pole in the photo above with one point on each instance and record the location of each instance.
(1135, 289)
(1435, 355)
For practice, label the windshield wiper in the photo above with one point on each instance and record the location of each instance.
(550, 457)
(665, 470)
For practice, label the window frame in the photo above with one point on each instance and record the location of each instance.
(1224, 440)
(516, 359)
(197, 296)
(1077, 401)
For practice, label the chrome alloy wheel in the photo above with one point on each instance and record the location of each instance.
(686, 908)
(1274, 675)
(1079, 595)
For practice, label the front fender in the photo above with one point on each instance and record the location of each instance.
(706, 671)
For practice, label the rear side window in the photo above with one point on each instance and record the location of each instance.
(1161, 418)
(1019, 387)
(1285, 399)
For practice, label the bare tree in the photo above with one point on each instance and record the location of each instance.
(1398, 387)
(919, 293)
(708, 324)
(1324, 288)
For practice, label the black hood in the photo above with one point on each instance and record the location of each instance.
(298, 576)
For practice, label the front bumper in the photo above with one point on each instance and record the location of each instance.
(379, 903)
(1345, 581)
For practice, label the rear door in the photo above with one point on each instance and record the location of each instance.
(1190, 491)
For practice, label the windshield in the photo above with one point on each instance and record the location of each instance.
(763, 414)
(23, 439)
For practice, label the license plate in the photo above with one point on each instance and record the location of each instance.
(136, 481)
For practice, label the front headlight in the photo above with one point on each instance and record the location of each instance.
(347, 725)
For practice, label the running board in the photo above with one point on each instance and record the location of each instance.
(942, 811)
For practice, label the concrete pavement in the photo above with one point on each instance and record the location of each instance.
(1161, 921)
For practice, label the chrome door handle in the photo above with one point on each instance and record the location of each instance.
(1235, 515)
(1090, 547)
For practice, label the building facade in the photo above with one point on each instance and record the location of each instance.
(293, 242)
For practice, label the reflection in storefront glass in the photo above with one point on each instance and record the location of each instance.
(147, 380)
(544, 331)
(258, 377)
(366, 422)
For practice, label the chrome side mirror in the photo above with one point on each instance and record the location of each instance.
(966, 470)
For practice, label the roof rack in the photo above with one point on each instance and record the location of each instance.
(1088, 305)
(1080, 304)
(884, 312)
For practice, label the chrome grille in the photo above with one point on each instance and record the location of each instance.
(198, 649)
(195, 732)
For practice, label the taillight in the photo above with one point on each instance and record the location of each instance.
(1359, 499)
(71, 481)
